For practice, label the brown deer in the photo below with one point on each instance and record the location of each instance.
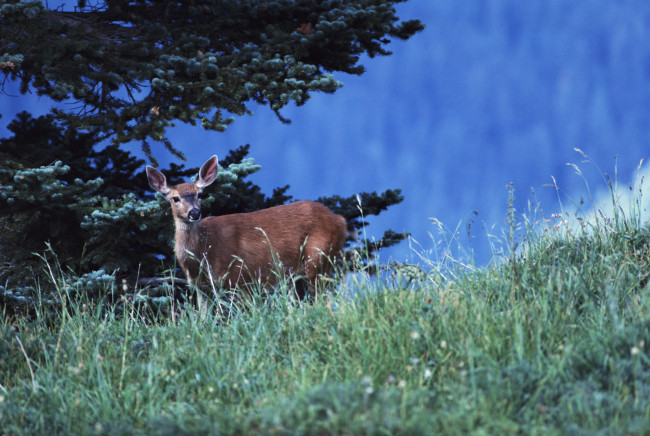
(241, 249)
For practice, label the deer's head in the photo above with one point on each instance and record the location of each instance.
(185, 198)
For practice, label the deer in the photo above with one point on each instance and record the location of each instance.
(241, 250)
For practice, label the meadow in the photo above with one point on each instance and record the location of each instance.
(552, 337)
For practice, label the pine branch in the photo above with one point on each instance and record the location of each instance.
(135, 67)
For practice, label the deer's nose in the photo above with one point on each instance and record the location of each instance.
(194, 214)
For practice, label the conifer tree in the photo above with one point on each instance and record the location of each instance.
(137, 66)
(134, 68)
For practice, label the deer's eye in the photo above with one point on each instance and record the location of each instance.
(176, 199)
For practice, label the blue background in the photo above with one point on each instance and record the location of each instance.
(491, 92)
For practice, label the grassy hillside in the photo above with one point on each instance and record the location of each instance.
(552, 340)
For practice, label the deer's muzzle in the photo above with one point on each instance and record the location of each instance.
(194, 214)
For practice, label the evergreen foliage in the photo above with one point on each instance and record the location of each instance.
(133, 68)
(137, 66)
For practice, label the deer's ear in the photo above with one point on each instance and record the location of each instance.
(157, 180)
(208, 172)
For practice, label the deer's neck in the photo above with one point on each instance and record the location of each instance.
(188, 242)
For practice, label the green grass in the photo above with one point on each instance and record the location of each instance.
(552, 340)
